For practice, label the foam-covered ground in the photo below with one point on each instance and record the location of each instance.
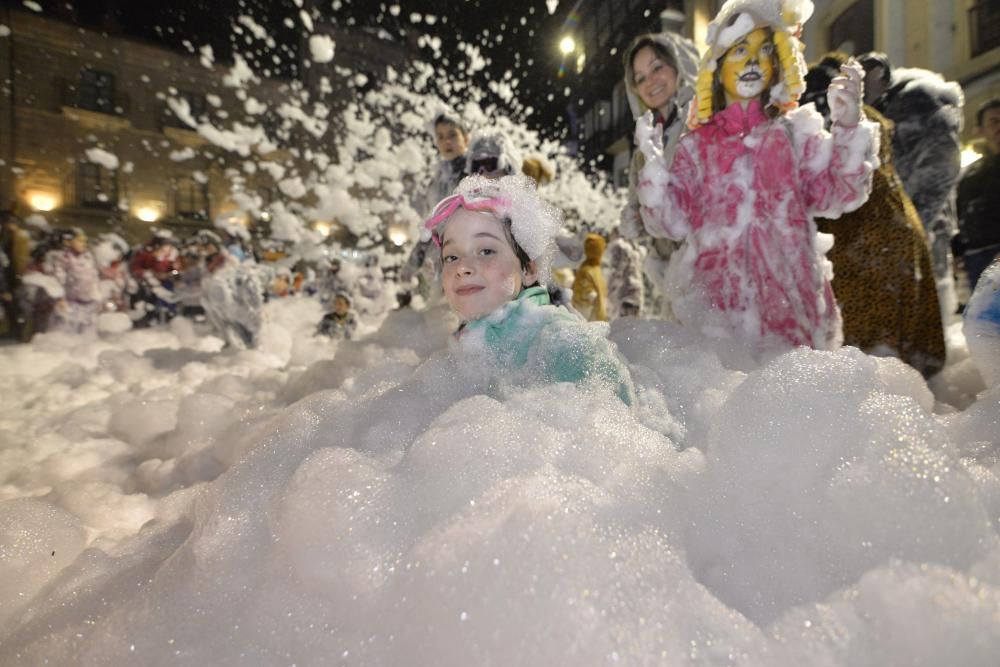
(168, 502)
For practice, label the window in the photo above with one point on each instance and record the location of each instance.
(97, 186)
(589, 123)
(97, 91)
(190, 199)
(196, 103)
(603, 115)
(589, 35)
(854, 30)
(603, 25)
(984, 25)
(619, 107)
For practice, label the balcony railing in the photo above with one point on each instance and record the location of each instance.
(984, 27)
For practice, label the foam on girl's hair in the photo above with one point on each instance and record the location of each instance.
(534, 223)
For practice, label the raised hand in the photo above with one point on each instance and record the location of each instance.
(649, 137)
(844, 95)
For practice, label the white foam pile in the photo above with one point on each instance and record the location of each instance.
(369, 503)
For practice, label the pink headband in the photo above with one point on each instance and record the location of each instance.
(447, 206)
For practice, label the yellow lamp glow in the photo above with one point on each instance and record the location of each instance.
(398, 235)
(567, 45)
(969, 155)
(42, 201)
(147, 213)
(323, 227)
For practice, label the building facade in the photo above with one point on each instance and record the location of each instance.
(88, 136)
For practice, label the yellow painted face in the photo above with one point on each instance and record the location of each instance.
(748, 66)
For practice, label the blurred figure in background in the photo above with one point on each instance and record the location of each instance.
(590, 292)
(452, 140)
(340, 322)
(882, 274)
(625, 288)
(927, 113)
(75, 270)
(15, 244)
(978, 240)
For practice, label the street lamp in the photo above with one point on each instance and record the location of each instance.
(567, 45)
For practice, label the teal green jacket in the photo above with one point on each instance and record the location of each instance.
(550, 344)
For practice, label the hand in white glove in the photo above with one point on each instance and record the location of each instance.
(649, 137)
(844, 95)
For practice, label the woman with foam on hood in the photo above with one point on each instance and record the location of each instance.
(659, 77)
(497, 243)
(745, 184)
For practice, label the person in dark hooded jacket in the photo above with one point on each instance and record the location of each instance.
(927, 113)
(979, 199)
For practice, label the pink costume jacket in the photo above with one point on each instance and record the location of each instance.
(741, 193)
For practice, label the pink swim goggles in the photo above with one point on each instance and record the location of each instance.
(447, 206)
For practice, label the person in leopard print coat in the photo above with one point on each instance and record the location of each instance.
(883, 276)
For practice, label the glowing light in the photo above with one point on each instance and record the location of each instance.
(567, 45)
(42, 201)
(147, 213)
(969, 155)
(323, 227)
(399, 236)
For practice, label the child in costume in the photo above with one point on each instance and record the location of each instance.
(590, 291)
(73, 266)
(497, 242)
(747, 181)
(340, 322)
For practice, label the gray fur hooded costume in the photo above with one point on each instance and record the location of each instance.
(927, 112)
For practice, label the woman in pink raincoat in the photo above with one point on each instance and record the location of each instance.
(746, 182)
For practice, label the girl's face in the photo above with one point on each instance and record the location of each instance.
(479, 271)
(748, 67)
(451, 141)
(655, 81)
(78, 243)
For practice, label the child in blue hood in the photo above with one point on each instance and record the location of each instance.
(497, 241)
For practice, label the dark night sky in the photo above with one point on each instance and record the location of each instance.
(533, 58)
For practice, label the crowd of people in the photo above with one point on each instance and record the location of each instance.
(59, 280)
(768, 202)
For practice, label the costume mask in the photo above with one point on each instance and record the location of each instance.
(748, 66)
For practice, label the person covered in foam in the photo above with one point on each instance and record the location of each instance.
(496, 239)
(745, 185)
